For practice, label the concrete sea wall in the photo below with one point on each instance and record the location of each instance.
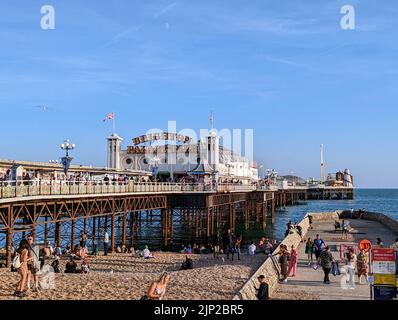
(388, 222)
(270, 269)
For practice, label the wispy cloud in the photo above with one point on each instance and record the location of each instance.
(280, 26)
(130, 31)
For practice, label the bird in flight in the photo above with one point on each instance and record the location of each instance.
(42, 108)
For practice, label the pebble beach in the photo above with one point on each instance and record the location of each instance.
(123, 277)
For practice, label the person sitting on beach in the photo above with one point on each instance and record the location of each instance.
(268, 248)
(157, 289)
(68, 250)
(262, 243)
(55, 265)
(58, 251)
(147, 254)
(48, 249)
(203, 249)
(187, 264)
(118, 249)
(195, 249)
(132, 251)
(187, 250)
(71, 266)
(251, 249)
(85, 267)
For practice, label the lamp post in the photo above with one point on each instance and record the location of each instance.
(67, 146)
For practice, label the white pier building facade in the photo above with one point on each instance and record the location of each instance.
(175, 157)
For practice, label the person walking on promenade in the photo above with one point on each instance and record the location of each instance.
(319, 245)
(344, 229)
(283, 261)
(351, 266)
(362, 266)
(310, 218)
(157, 289)
(34, 264)
(293, 262)
(327, 259)
(106, 243)
(263, 290)
(22, 267)
(309, 250)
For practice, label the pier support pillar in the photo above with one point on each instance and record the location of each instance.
(208, 222)
(9, 247)
(72, 236)
(58, 234)
(273, 211)
(113, 227)
(264, 211)
(124, 233)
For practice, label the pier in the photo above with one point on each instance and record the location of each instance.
(54, 209)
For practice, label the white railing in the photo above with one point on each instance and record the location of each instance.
(23, 188)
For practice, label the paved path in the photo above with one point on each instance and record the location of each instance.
(309, 282)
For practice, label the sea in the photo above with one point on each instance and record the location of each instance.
(372, 200)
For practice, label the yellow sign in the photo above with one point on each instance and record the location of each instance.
(386, 279)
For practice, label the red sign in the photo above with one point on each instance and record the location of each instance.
(365, 245)
(383, 254)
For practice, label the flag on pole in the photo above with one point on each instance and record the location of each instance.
(110, 116)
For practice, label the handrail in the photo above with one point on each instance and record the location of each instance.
(35, 187)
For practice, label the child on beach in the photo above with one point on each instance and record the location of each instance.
(85, 267)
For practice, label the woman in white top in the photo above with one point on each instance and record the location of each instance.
(157, 289)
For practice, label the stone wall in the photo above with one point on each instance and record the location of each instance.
(388, 222)
(270, 268)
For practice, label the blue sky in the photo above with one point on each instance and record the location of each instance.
(284, 68)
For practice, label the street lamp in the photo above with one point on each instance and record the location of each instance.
(67, 160)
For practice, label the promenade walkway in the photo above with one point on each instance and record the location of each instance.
(309, 282)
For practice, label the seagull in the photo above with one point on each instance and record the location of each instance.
(42, 108)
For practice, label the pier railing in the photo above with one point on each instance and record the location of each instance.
(17, 189)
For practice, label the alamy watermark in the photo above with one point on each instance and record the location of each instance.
(234, 143)
(347, 22)
(47, 21)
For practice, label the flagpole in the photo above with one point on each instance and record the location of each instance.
(113, 121)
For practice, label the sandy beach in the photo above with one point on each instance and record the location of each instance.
(123, 277)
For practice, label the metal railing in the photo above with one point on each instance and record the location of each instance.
(23, 188)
